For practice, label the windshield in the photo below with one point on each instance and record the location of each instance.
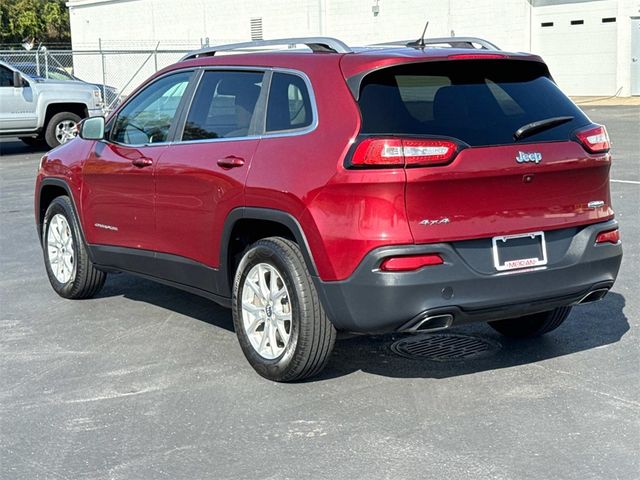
(43, 72)
(481, 102)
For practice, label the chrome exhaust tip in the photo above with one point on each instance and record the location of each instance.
(594, 296)
(431, 323)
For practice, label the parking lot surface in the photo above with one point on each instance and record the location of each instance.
(148, 382)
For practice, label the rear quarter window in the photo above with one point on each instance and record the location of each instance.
(481, 102)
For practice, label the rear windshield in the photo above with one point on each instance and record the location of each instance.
(481, 102)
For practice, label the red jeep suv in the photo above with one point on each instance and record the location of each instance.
(382, 189)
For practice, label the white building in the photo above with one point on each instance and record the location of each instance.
(591, 46)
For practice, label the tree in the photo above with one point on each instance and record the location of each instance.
(46, 21)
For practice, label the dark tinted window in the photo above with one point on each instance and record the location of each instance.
(6, 77)
(224, 105)
(479, 102)
(147, 118)
(289, 106)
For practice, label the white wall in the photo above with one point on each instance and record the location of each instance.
(589, 59)
(582, 58)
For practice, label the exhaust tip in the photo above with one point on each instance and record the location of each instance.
(431, 323)
(594, 296)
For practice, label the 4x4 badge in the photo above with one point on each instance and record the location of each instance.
(526, 157)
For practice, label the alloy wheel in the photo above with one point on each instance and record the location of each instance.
(60, 249)
(66, 130)
(266, 311)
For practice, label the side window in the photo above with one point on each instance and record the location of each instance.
(224, 105)
(148, 116)
(289, 105)
(6, 77)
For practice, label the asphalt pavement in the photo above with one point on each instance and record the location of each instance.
(148, 382)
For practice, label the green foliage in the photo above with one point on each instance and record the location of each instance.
(47, 21)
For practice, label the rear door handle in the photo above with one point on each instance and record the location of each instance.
(142, 162)
(231, 162)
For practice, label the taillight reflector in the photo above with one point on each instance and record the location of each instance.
(610, 236)
(594, 139)
(410, 263)
(395, 152)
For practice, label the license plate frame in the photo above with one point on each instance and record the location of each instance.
(518, 263)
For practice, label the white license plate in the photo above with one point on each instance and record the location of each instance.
(526, 250)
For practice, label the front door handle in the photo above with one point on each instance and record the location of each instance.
(142, 162)
(231, 162)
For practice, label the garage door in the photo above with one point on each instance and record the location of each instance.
(580, 49)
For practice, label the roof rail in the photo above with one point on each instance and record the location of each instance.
(316, 44)
(453, 42)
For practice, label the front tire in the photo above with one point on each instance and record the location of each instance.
(280, 323)
(61, 128)
(532, 325)
(70, 271)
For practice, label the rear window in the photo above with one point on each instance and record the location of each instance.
(480, 102)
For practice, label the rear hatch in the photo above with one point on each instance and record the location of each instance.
(476, 164)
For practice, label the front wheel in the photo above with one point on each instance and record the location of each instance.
(70, 271)
(280, 323)
(532, 325)
(61, 128)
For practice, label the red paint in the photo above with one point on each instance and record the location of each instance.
(178, 203)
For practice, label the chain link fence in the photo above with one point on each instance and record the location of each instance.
(117, 72)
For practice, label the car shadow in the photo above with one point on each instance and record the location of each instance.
(17, 147)
(589, 326)
(188, 304)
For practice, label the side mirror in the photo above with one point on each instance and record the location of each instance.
(92, 128)
(18, 80)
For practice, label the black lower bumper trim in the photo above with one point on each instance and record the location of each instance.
(372, 301)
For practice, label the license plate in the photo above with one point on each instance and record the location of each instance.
(526, 250)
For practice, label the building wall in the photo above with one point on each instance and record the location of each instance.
(582, 57)
(588, 59)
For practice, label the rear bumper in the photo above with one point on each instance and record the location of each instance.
(467, 287)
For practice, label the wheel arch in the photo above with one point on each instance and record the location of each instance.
(50, 189)
(246, 225)
(78, 108)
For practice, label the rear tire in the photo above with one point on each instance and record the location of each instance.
(70, 271)
(532, 325)
(59, 129)
(274, 297)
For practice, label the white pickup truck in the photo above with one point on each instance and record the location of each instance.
(40, 111)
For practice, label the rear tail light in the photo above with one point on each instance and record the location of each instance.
(610, 236)
(396, 152)
(410, 263)
(594, 139)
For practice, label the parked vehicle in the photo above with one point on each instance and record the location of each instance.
(44, 111)
(387, 189)
(50, 72)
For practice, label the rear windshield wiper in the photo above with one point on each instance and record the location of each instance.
(539, 126)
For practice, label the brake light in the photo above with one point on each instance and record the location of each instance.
(475, 56)
(594, 139)
(610, 236)
(395, 152)
(410, 263)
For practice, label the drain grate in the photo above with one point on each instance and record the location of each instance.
(444, 346)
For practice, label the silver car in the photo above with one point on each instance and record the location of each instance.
(43, 111)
